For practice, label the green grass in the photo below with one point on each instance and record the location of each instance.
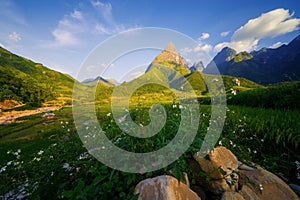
(264, 136)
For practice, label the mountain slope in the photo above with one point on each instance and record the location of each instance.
(31, 83)
(163, 71)
(266, 66)
(169, 57)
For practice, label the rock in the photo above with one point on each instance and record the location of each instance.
(232, 196)
(164, 188)
(199, 191)
(248, 193)
(244, 167)
(48, 115)
(264, 185)
(222, 158)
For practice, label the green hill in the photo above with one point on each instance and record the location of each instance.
(171, 74)
(281, 96)
(32, 83)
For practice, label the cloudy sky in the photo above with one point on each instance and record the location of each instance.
(61, 33)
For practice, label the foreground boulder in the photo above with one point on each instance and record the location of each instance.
(264, 185)
(164, 188)
(221, 168)
(232, 196)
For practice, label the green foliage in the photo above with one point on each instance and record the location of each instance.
(53, 162)
(242, 56)
(29, 82)
(282, 96)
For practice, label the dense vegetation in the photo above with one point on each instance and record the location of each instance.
(46, 158)
(281, 96)
(31, 83)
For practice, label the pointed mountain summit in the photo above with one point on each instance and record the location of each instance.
(171, 48)
(169, 57)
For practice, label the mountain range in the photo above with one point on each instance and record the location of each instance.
(34, 84)
(266, 66)
(172, 71)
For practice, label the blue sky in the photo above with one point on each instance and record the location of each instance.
(60, 34)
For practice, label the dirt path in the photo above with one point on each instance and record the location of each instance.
(11, 116)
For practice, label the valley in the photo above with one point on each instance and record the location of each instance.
(42, 155)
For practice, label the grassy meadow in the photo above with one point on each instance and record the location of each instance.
(44, 158)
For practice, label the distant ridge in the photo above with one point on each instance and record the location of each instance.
(99, 80)
(266, 66)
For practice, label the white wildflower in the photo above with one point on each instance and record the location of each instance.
(66, 166)
(261, 187)
(3, 169)
(40, 152)
(108, 114)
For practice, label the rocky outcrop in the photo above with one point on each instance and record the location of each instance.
(164, 188)
(221, 169)
(232, 196)
(170, 58)
(265, 185)
(220, 176)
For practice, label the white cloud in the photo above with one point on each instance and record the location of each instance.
(225, 33)
(276, 45)
(77, 15)
(100, 29)
(76, 27)
(203, 47)
(14, 36)
(274, 23)
(105, 9)
(204, 36)
(64, 37)
(200, 47)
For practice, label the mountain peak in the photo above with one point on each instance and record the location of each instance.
(171, 48)
(170, 57)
